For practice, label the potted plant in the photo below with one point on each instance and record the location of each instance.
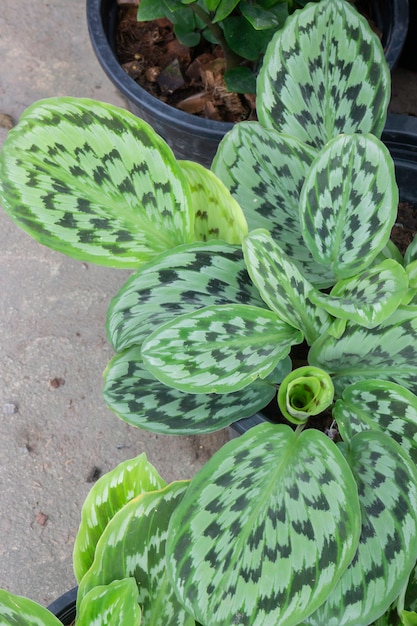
(271, 275)
(192, 137)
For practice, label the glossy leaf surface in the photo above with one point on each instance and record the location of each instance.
(111, 605)
(265, 529)
(95, 182)
(19, 611)
(107, 496)
(218, 349)
(324, 74)
(179, 281)
(349, 203)
(133, 545)
(141, 400)
(387, 487)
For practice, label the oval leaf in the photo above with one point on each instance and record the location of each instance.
(349, 203)
(111, 605)
(141, 400)
(95, 182)
(218, 349)
(265, 529)
(20, 611)
(108, 495)
(324, 74)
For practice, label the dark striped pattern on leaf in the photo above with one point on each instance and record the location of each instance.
(349, 203)
(387, 485)
(265, 172)
(177, 282)
(143, 401)
(324, 74)
(265, 529)
(17, 610)
(218, 349)
(111, 605)
(387, 352)
(94, 182)
(133, 545)
(379, 405)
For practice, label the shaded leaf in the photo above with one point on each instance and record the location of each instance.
(324, 74)
(107, 496)
(218, 349)
(95, 182)
(111, 605)
(273, 515)
(19, 611)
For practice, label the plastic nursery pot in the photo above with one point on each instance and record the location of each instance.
(191, 137)
(64, 607)
(400, 137)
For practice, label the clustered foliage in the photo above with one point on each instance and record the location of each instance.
(285, 242)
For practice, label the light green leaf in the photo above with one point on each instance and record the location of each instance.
(265, 530)
(141, 400)
(133, 545)
(265, 172)
(224, 8)
(349, 203)
(379, 405)
(408, 618)
(217, 214)
(114, 604)
(387, 352)
(107, 496)
(95, 182)
(218, 349)
(324, 74)
(305, 392)
(282, 285)
(177, 282)
(387, 487)
(20, 611)
(367, 299)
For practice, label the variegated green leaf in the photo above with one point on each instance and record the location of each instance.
(20, 611)
(107, 496)
(217, 214)
(218, 349)
(411, 252)
(349, 203)
(387, 352)
(369, 298)
(282, 285)
(324, 74)
(387, 487)
(94, 182)
(114, 604)
(265, 529)
(133, 545)
(265, 171)
(141, 400)
(379, 405)
(177, 282)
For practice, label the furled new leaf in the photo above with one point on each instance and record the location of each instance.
(282, 285)
(218, 349)
(177, 282)
(324, 74)
(114, 604)
(379, 405)
(133, 545)
(217, 214)
(349, 203)
(108, 495)
(265, 530)
(95, 182)
(20, 611)
(387, 487)
(387, 352)
(141, 400)
(265, 172)
(369, 298)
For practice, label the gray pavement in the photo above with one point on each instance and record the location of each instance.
(54, 426)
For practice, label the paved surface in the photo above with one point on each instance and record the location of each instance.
(54, 426)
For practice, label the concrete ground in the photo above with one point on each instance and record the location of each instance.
(54, 427)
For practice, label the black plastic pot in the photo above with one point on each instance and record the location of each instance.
(400, 137)
(64, 607)
(192, 137)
